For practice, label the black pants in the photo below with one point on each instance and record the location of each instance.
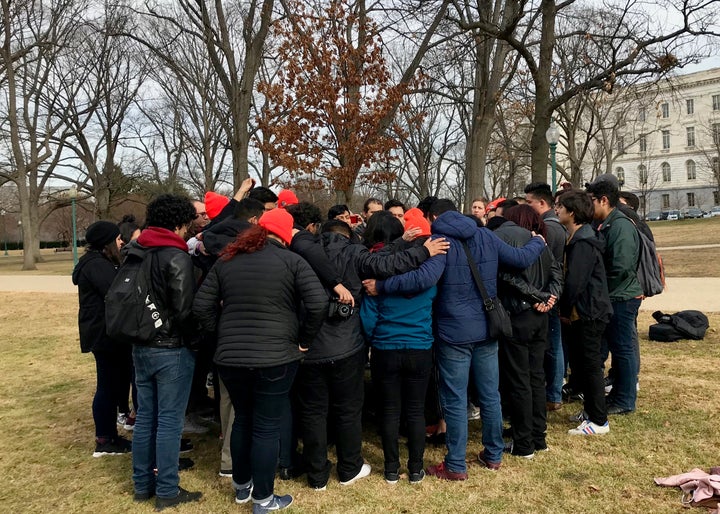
(259, 396)
(586, 362)
(113, 371)
(522, 365)
(335, 388)
(402, 377)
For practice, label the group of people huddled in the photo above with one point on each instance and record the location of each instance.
(286, 308)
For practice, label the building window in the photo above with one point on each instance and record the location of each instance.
(690, 105)
(620, 174)
(642, 114)
(620, 145)
(665, 201)
(665, 109)
(691, 199)
(666, 139)
(715, 130)
(716, 102)
(643, 203)
(691, 171)
(716, 197)
(715, 163)
(690, 131)
(642, 141)
(667, 176)
(642, 174)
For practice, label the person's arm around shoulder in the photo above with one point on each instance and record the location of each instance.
(518, 257)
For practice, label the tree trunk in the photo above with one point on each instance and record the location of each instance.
(543, 108)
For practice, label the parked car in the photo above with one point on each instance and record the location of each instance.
(693, 213)
(715, 211)
(654, 216)
(673, 215)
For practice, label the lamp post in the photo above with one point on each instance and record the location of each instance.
(72, 193)
(2, 213)
(553, 136)
(20, 229)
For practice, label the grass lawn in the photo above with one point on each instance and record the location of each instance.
(47, 439)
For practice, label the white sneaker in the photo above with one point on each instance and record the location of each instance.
(473, 413)
(364, 471)
(191, 427)
(587, 427)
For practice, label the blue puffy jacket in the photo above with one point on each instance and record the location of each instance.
(459, 307)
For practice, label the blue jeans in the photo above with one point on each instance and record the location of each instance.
(621, 339)
(163, 377)
(455, 364)
(554, 360)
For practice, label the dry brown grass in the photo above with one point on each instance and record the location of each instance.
(686, 232)
(46, 433)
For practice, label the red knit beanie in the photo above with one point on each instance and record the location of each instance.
(414, 219)
(215, 203)
(279, 222)
(287, 197)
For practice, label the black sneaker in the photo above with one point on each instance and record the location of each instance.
(185, 463)
(182, 497)
(115, 446)
(186, 445)
(416, 478)
(392, 478)
(141, 497)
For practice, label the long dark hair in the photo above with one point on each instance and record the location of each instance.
(110, 251)
(382, 227)
(127, 227)
(526, 217)
(247, 241)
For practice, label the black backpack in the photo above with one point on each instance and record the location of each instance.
(650, 272)
(681, 325)
(133, 311)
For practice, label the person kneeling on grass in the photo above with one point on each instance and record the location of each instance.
(585, 306)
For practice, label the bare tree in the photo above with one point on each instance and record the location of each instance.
(35, 34)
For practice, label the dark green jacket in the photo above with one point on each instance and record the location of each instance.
(621, 256)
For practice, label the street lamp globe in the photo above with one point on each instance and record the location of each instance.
(552, 134)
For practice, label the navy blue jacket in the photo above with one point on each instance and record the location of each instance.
(459, 307)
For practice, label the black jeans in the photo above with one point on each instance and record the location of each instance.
(259, 396)
(335, 388)
(112, 374)
(401, 377)
(586, 362)
(522, 366)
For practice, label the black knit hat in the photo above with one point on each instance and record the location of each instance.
(101, 233)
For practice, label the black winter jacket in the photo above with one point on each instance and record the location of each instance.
(520, 289)
(93, 275)
(253, 301)
(556, 234)
(585, 281)
(341, 338)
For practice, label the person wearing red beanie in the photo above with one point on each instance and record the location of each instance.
(287, 197)
(414, 218)
(279, 222)
(215, 203)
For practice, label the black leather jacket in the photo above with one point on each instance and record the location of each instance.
(519, 290)
(174, 282)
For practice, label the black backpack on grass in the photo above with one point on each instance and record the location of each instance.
(133, 311)
(681, 325)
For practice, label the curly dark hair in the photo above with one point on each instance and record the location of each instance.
(170, 212)
(304, 213)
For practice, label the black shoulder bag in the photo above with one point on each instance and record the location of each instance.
(498, 320)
